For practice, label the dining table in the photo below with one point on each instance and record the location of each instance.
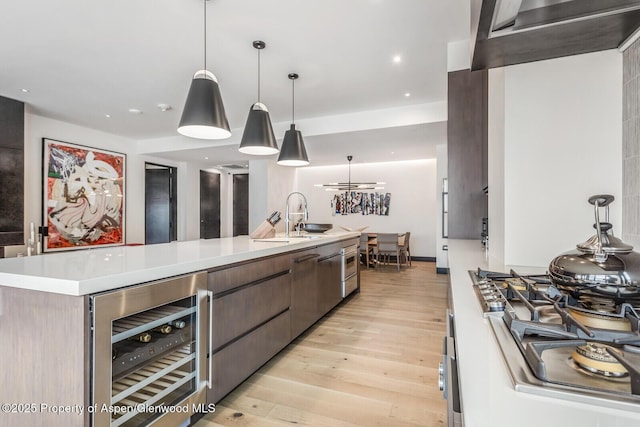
(372, 243)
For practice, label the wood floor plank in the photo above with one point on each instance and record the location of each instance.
(372, 361)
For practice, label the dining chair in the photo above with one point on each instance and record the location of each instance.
(403, 242)
(366, 248)
(387, 246)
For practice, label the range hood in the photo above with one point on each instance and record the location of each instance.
(510, 32)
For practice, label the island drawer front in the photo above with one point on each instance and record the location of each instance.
(237, 361)
(229, 278)
(239, 311)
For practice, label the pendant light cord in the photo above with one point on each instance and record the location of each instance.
(259, 75)
(293, 101)
(205, 36)
(349, 177)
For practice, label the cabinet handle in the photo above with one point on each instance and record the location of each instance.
(324, 258)
(305, 258)
(210, 374)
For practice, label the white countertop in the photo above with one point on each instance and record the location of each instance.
(88, 271)
(487, 392)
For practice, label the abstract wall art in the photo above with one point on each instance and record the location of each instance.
(84, 196)
(361, 203)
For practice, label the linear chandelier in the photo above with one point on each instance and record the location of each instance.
(351, 186)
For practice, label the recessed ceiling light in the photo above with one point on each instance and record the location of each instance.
(164, 107)
(135, 111)
(407, 94)
(206, 158)
(108, 116)
(397, 59)
(24, 90)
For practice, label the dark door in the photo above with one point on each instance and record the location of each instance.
(160, 204)
(209, 205)
(240, 204)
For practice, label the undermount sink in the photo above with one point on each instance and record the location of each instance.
(284, 239)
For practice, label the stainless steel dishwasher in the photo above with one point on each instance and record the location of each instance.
(149, 351)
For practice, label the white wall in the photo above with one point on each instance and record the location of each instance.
(188, 201)
(562, 144)
(37, 127)
(281, 180)
(413, 208)
(495, 166)
(269, 185)
(226, 202)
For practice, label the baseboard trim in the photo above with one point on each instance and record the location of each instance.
(418, 258)
(423, 258)
(441, 270)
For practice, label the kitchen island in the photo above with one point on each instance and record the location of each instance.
(95, 270)
(487, 391)
(72, 324)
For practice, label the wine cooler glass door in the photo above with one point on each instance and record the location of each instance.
(149, 352)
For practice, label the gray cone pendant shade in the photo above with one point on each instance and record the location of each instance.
(258, 137)
(293, 152)
(203, 116)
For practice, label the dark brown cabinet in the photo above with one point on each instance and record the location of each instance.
(251, 319)
(329, 273)
(12, 170)
(467, 153)
(260, 306)
(316, 285)
(547, 29)
(304, 290)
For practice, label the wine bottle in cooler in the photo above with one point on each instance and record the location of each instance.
(143, 337)
(163, 329)
(178, 324)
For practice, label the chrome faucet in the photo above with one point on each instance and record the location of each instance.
(288, 213)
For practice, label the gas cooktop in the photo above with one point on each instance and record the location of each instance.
(585, 349)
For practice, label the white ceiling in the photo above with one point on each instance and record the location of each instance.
(81, 60)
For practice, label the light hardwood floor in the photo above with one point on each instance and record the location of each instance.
(372, 361)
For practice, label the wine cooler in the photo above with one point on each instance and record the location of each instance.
(149, 352)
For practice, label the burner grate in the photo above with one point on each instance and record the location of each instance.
(548, 325)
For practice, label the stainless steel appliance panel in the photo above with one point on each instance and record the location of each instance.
(349, 271)
(349, 261)
(448, 376)
(349, 285)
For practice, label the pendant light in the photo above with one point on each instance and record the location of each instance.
(258, 137)
(203, 116)
(293, 152)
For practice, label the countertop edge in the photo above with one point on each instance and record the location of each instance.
(141, 264)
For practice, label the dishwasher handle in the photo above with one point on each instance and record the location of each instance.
(305, 258)
(324, 258)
